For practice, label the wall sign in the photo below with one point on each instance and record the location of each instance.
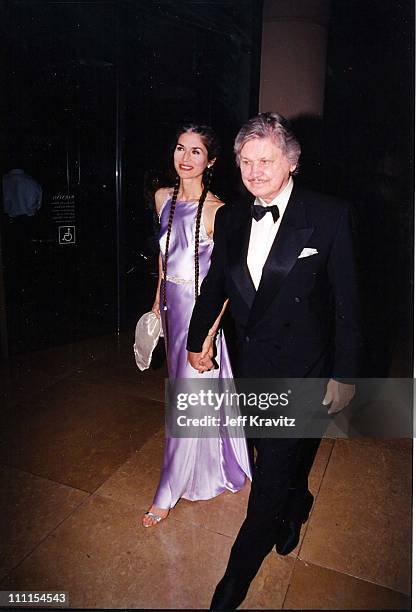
(66, 234)
(63, 215)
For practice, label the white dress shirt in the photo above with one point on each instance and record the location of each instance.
(264, 232)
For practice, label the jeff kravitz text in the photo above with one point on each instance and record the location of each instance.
(239, 421)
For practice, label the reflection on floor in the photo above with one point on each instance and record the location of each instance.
(80, 457)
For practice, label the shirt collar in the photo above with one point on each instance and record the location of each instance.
(281, 199)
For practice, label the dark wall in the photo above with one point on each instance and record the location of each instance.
(93, 93)
(368, 137)
(60, 109)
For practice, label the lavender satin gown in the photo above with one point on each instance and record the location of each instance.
(193, 468)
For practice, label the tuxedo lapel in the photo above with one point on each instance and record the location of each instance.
(292, 236)
(237, 258)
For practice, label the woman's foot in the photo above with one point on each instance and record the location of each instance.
(154, 516)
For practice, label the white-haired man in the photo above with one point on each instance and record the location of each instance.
(286, 264)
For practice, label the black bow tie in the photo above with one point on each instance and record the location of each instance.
(258, 212)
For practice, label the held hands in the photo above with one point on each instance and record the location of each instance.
(203, 361)
(199, 363)
(338, 395)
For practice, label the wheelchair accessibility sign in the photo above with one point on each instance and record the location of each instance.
(66, 234)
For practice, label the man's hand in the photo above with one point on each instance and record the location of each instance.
(338, 395)
(200, 362)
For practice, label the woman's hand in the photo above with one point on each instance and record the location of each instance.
(156, 308)
(208, 347)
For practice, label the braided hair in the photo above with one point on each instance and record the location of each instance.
(168, 232)
(211, 143)
(206, 183)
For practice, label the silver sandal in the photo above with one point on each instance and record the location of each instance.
(154, 516)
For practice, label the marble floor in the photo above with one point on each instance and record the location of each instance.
(79, 460)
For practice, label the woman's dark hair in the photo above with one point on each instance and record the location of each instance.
(208, 137)
(212, 145)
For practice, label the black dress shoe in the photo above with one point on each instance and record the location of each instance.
(229, 594)
(288, 533)
(288, 537)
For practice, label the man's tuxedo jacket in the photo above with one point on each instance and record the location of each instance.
(303, 320)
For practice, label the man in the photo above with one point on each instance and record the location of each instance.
(22, 195)
(286, 265)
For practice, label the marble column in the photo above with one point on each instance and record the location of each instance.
(293, 60)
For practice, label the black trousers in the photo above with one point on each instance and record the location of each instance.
(278, 490)
(280, 476)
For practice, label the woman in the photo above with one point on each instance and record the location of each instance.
(193, 468)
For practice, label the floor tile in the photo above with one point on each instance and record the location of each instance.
(104, 560)
(78, 433)
(318, 588)
(30, 508)
(116, 367)
(269, 587)
(223, 514)
(361, 523)
(122, 374)
(25, 376)
(320, 464)
(83, 415)
(315, 479)
(136, 480)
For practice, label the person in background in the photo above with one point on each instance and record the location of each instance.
(22, 195)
